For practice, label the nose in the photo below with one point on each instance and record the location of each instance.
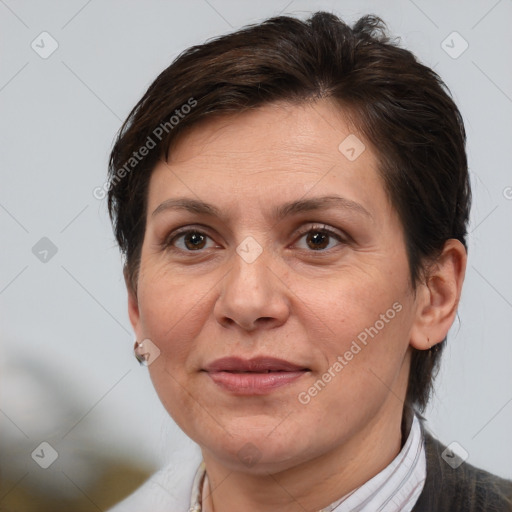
(253, 295)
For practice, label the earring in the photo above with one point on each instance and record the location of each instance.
(137, 352)
(146, 352)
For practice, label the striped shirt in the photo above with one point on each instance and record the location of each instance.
(396, 488)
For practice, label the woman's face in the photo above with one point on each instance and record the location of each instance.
(325, 289)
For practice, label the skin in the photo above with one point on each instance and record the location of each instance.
(294, 301)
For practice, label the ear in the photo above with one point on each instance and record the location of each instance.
(133, 305)
(438, 298)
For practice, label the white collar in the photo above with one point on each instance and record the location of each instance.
(397, 487)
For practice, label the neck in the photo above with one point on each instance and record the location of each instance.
(317, 483)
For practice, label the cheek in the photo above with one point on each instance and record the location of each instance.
(362, 331)
(353, 301)
(364, 369)
(173, 321)
(172, 316)
(169, 302)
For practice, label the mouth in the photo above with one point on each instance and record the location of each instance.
(254, 365)
(254, 371)
(255, 376)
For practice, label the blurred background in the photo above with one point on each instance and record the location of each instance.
(80, 424)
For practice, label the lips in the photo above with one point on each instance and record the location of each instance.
(256, 376)
(256, 365)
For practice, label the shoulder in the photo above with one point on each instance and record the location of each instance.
(463, 487)
(168, 489)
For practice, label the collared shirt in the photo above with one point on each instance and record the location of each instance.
(396, 488)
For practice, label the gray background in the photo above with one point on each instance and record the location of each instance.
(68, 374)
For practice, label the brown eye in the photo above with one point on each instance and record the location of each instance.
(191, 240)
(318, 238)
(194, 240)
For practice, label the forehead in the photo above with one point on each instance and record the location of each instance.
(301, 130)
(270, 154)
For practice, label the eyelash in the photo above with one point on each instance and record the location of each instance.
(323, 229)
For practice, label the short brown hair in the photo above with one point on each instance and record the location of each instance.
(402, 107)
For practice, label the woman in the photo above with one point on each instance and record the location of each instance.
(292, 202)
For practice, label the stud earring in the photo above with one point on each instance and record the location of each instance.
(138, 353)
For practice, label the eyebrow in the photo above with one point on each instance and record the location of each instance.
(279, 212)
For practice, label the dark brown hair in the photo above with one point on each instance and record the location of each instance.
(401, 107)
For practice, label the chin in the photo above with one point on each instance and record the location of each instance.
(258, 453)
(250, 459)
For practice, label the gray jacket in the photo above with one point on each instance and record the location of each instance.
(464, 489)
